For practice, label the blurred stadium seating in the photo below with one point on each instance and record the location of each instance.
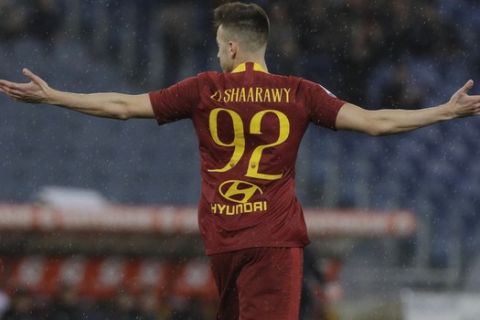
(389, 53)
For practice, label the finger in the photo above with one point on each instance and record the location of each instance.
(16, 92)
(15, 96)
(11, 85)
(7, 86)
(467, 86)
(5, 89)
(13, 92)
(32, 76)
(6, 83)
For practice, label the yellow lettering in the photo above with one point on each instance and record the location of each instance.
(258, 94)
(216, 96)
(266, 97)
(221, 207)
(226, 98)
(234, 96)
(230, 211)
(255, 128)
(241, 98)
(257, 206)
(250, 95)
(249, 207)
(277, 95)
(239, 208)
(255, 94)
(287, 92)
(238, 142)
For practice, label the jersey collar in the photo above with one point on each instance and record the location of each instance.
(243, 67)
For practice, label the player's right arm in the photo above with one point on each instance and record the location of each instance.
(388, 121)
(107, 104)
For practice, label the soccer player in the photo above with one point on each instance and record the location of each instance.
(249, 125)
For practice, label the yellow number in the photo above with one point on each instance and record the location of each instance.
(238, 139)
(255, 128)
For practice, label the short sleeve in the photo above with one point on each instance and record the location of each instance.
(175, 102)
(321, 104)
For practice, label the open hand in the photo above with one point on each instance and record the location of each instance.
(462, 105)
(35, 91)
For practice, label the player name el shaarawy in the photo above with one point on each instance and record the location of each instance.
(252, 94)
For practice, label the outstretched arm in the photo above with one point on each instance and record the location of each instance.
(387, 121)
(108, 104)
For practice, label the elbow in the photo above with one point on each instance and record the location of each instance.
(379, 124)
(373, 123)
(122, 116)
(380, 128)
(376, 131)
(121, 112)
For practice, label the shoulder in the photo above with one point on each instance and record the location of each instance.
(283, 77)
(279, 79)
(315, 87)
(210, 75)
(309, 84)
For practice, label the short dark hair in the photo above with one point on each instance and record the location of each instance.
(247, 18)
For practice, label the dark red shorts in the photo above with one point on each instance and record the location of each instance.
(259, 283)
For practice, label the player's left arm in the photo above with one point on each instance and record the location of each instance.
(388, 121)
(101, 104)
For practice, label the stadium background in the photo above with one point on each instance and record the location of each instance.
(383, 53)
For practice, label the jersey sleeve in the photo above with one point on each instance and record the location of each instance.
(175, 102)
(321, 104)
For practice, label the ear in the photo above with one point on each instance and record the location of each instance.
(232, 49)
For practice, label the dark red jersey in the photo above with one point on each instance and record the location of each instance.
(249, 125)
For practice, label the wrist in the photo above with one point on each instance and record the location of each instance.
(53, 97)
(447, 112)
